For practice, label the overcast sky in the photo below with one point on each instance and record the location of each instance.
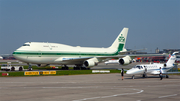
(91, 23)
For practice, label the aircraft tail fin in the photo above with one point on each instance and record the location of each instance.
(120, 41)
(172, 59)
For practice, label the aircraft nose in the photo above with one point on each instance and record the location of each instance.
(128, 72)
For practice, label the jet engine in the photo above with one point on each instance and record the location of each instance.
(168, 65)
(91, 62)
(125, 60)
(42, 65)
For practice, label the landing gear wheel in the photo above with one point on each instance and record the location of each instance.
(12, 69)
(65, 67)
(144, 75)
(167, 76)
(29, 68)
(79, 67)
(20, 68)
(133, 77)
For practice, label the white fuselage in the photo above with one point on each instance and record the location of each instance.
(48, 53)
(153, 69)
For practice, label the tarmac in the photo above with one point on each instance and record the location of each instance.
(94, 87)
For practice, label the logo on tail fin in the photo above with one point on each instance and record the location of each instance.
(121, 38)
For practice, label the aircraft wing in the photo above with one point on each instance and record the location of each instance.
(97, 59)
(125, 59)
(171, 73)
(130, 55)
(72, 60)
(132, 50)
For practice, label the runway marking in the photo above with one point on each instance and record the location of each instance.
(167, 96)
(92, 98)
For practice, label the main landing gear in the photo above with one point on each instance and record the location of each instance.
(133, 77)
(65, 67)
(30, 67)
(144, 75)
(167, 76)
(76, 67)
(80, 67)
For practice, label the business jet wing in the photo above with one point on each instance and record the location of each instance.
(171, 73)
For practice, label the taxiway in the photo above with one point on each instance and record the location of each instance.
(95, 87)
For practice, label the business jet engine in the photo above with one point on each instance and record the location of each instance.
(168, 65)
(125, 60)
(42, 65)
(91, 62)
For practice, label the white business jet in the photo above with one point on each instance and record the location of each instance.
(44, 53)
(1, 57)
(153, 69)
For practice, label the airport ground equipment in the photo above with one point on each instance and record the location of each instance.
(8, 67)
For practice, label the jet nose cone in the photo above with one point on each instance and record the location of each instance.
(128, 72)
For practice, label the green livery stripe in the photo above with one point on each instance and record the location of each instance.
(120, 48)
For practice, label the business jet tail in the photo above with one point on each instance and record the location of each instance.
(172, 59)
(120, 41)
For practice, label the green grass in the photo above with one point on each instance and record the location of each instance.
(13, 73)
(45, 68)
(58, 73)
(6, 63)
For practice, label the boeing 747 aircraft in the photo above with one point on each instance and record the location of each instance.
(44, 53)
(154, 69)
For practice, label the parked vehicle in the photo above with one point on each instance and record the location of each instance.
(8, 67)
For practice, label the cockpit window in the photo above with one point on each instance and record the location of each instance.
(139, 67)
(3, 65)
(26, 45)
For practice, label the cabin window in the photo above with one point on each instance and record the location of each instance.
(139, 67)
(26, 45)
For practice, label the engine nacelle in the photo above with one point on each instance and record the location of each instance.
(42, 65)
(89, 63)
(168, 65)
(125, 60)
